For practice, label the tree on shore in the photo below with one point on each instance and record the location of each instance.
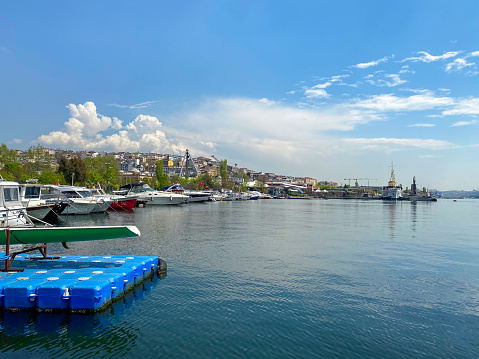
(74, 170)
(37, 160)
(161, 176)
(103, 170)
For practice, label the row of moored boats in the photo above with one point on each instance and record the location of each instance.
(24, 202)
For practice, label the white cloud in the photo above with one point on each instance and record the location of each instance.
(464, 107)
(395, 144)
(318, 91)
(390, 80)
(426, 57)
(464, 123)
(84, 130)
(136, 106)
(16, 141)
(85, 119)
(422, 125)
(116, 124)
(390, 102)
(365, 65)
(458, 65)
(315, 92)
(266, 101)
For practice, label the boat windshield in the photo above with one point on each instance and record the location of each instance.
(71, 194)
(10, 194)
(32, 192)
(84, 193)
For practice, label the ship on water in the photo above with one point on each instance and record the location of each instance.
(392, 192)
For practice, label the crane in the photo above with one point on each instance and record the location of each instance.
(359, 179)
(370, 179)
(355, 179)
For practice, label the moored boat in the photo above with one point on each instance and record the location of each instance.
(13, 212)
(146, 193)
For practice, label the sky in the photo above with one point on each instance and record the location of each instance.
(325, 89)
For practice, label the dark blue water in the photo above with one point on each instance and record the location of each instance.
(280, 279)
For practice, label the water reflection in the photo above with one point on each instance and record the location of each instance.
(68, 335)
(391, 208)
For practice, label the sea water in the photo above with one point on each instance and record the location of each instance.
(279, 279)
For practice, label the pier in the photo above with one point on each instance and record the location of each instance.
(77, 284)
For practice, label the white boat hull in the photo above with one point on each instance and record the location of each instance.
(79, 207)
(165, 199)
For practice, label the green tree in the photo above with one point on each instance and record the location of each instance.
(7, 155)
(37, 160)
(50, 177)
(208, 181)
(103, 170)
(224, 174)
(73, 170)
(161, 176)
(14, 171)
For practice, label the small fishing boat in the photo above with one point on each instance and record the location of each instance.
(38, 208)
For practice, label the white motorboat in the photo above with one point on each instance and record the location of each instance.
(193, 196)
(80, 200)
(13, 212)
(145, 192)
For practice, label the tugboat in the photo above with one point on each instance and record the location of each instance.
(392, 192)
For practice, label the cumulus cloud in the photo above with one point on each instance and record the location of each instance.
(86, 129)
(84, 118)
(117, 124)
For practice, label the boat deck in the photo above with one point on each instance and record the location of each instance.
(79, 284)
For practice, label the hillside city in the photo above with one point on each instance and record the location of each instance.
(139, 167)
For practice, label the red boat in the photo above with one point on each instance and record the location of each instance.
(123, 203)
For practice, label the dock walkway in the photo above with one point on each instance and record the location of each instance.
(79, 284)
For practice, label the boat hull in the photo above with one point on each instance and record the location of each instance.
(165, 200)
(66, 234)
(123, 205)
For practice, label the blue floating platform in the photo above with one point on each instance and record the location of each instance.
(83, 284)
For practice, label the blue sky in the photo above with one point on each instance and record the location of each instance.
(330, 90)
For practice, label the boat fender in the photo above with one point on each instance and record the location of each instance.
(65, 245)
(162, 266)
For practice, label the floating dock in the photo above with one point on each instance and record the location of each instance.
(78, 284)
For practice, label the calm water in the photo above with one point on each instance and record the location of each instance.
(280, 279)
